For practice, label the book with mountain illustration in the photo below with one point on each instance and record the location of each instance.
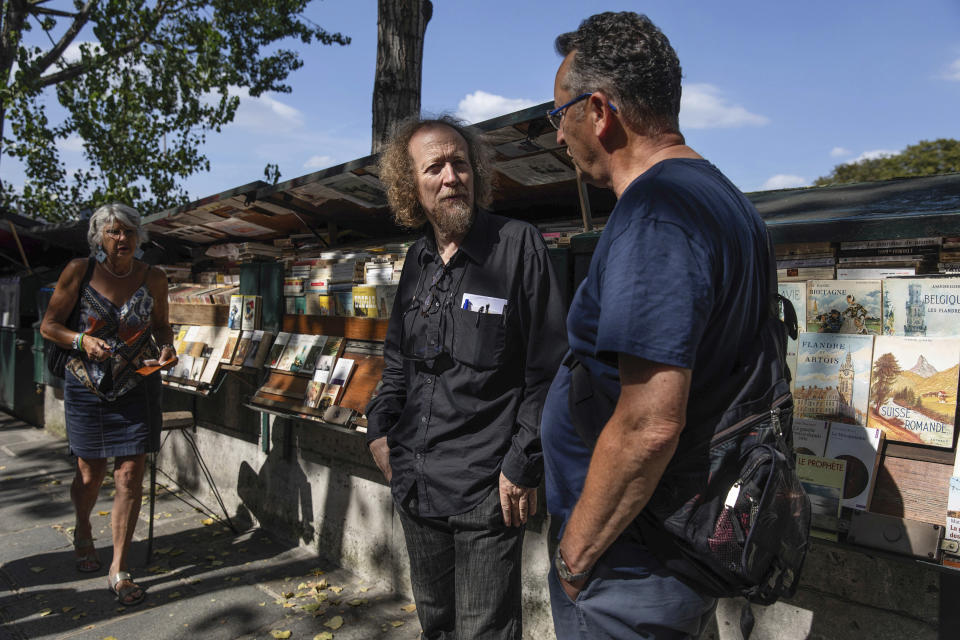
(833, 377)
(844, 306)
(913, 389)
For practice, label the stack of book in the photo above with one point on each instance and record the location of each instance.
(244, 312)
(885, 258)
(193, 293)
(949, 258)
(805, 261)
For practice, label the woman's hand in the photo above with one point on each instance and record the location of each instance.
(96, 349)
(167, 354)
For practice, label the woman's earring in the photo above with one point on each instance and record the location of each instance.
(101, 255)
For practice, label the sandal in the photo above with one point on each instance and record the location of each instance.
(127, 596)
(88, 562)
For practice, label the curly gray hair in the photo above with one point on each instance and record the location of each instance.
(127, 216)
(627, 57)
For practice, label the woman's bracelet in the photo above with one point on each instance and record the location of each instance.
(77, 342)
(167, 346)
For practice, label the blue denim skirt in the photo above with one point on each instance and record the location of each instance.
(98, 428)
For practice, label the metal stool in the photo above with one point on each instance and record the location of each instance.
(180, 421)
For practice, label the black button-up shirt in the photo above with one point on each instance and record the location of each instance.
(463, 390)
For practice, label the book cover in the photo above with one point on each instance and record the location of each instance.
(844, 306)
(310, 360)
(196, 368)
(913, 389)
(255, 342)
(318, 304)
(822, 480)
(860, 447)
(332, 349)
(339, 379)
(342, 302)
(235, 318)
(386, 294)
(833, 377)
(953, 510)
(276, 350)
(921, 307)
(810, 436)
(314, 392)
(874, 274)
(367, 373)
(251, 313)
(291, 351)
(230, 346)
(217, 337)
(365, 301)
(243, 346)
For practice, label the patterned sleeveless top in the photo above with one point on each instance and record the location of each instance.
(128, 331)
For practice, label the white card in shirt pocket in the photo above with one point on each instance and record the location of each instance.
(482, 304)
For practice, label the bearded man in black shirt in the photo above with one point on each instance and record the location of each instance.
(475, 337)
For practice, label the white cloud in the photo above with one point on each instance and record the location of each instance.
(784, 181)
(265, 114)
(318, 162)
(875, 154)
(702, 107)
(73, 142)
(839, 152)
(953, 71)
(72, 53)
(480, 105)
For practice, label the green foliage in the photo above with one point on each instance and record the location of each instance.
(922, 159)
(141, 98)
(885, 371)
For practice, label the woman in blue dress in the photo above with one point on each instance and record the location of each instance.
(111, 411)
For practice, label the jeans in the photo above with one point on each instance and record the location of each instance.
(465, 572)
(629, 595)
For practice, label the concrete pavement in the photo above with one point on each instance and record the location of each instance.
(204, 581)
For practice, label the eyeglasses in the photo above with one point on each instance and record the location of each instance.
(555, 117)
(116, 234)
(432, 290)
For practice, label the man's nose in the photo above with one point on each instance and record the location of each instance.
(448, 175)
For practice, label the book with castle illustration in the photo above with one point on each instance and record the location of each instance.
(921, 307)
(844, 306)
(796, 293)
(833, 377)
(913, 389)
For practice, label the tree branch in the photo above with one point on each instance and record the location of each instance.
(41, 65)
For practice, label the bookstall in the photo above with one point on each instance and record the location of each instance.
(281, 294)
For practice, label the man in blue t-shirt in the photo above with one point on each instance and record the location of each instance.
(676, 291)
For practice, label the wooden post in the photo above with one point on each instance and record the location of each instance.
(585, 212)
(16, 237)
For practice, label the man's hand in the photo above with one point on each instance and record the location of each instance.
(381, 455)
(517, 503)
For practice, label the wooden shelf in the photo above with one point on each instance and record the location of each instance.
(349, 328)
(302, 418)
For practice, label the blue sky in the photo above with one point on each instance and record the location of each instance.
(774, 95)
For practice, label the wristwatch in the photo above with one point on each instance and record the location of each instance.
(564, 571)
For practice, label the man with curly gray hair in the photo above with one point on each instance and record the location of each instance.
(474, 339)
(676, 291)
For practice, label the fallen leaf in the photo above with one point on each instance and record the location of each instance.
(103, 513)
(176, 552)
(216, 563)
(320, 586)
(364, 589)
(175, 594)
(288, 605)
(207, 522)
(396, 623)
(336, 589)
(210, 557)
(334, 623)
(80, 615)
(262, 604)
(317, 572)
(234, 579)
(287, 594)
(54, 482)
(311, 606)
(45, 613)
(163, 551)
(65, 609)
(37, 569)
(305, 594)
(323, 635)
(356, 602)
(303, 585)
(280, 634)
(410, 607)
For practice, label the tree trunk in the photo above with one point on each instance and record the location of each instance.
(401, 25)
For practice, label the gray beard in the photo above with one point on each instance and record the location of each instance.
(452, 220)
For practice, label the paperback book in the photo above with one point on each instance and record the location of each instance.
(844, 306)
(310, 359)
(367, 373)
(810, 436)
(235, 317)
(913, 389)
(243, 346)
(365, 301)
(921, 307)
(953, 510)
(339, 379)
(296, 343)
(860, 448)
(230, 347)
(251, 313)
(276, 350)
(332, 349)
(833, 377)
(822, 480)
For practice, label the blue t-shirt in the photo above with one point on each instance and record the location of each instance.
(680, 277)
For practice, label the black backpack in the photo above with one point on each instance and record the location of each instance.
(729, 516)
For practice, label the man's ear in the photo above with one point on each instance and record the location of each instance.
(601, 115)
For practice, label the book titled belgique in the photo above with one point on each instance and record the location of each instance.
(913, 389)
(833, 376)
(921, 307)
(844, 306)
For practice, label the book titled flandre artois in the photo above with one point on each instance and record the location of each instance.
(833, 377)
(844, 306)
(913, 389)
